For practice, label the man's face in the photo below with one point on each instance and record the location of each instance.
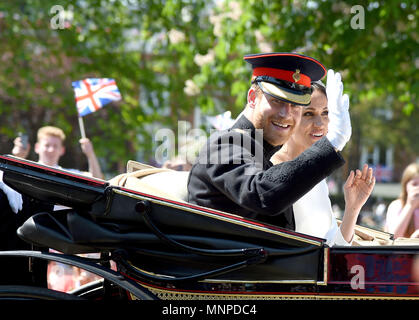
(49, 150)
(277, 118)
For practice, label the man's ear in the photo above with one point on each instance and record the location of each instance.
(251, 98)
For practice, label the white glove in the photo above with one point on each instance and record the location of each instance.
(15, 198)
(340, 129)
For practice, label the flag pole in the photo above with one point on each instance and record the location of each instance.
(81, 125)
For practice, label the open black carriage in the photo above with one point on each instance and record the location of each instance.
(168, 249)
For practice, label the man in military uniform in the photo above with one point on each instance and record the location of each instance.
(233, 172)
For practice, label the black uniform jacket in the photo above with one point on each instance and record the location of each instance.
(233, 174)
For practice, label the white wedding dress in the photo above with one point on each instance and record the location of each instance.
(314, 216)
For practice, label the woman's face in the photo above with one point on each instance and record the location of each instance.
(412, 184)
(314, 121)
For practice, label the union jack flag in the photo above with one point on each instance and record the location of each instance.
(93, 94)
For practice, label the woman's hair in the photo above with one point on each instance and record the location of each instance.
(409, 173)
(318, 85)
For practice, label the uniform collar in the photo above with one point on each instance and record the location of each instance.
(245, 124)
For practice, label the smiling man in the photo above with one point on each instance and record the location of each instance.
(233, 172)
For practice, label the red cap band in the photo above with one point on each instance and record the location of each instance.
(283, 75)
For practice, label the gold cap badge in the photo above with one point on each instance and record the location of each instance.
(296, 76)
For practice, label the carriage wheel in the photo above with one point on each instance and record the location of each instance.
(33, 293)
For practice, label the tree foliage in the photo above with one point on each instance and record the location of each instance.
(172, 56)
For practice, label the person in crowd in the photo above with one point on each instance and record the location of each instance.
(402, 217)
(233, 172)
(13, 198)
(14, 210)
(50, 148)
(313, 212)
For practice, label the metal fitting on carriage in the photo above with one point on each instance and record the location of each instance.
(143, 206)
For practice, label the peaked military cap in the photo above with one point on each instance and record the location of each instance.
(286, 76)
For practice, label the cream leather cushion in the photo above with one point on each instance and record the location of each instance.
(172, 182)
(165, 183)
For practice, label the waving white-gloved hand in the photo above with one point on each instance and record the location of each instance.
(340, 129)
(14, 197)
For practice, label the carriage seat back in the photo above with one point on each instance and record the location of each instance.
(166, 183)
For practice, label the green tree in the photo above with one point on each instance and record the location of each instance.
(170, 57)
